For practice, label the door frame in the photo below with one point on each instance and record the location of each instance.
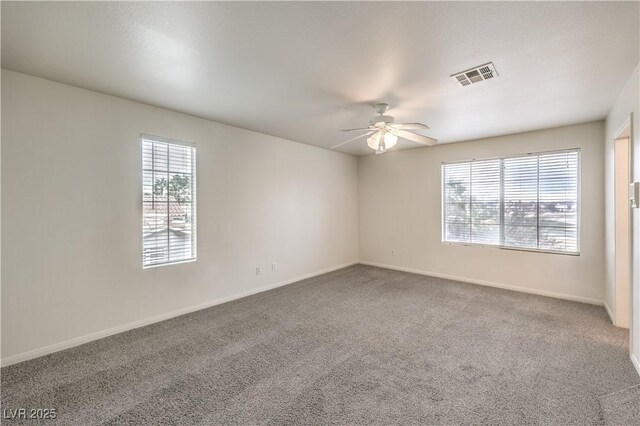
(622, 144)
(633, 316)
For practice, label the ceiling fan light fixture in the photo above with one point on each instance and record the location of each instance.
(374, 141)
(390, 140)
(381, 141)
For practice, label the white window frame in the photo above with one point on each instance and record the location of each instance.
(507, 247)
(153, 138)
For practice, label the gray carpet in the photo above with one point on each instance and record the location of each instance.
(361, 345)
(622, 407)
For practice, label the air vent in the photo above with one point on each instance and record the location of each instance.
(475, 75)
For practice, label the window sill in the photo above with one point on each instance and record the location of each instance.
(565, 253)
(177, 262)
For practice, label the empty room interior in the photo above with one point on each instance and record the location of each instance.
(295, 213)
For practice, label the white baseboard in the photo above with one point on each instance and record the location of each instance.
(608, 309)
(25, 356)
(635, 363)
(571, 297)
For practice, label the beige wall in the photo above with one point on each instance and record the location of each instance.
(627, 102)
(400, 209)
(71, 214)
(71, 176)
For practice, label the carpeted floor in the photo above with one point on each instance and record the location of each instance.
(360, 345)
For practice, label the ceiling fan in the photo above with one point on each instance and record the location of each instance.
(383, 132)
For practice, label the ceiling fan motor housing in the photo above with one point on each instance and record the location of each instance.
(381, 120)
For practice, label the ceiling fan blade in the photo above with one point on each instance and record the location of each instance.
(363, 129)
(353, 139)
(424, 140)
(409, 126)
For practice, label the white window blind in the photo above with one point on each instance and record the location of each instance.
(528, 202)
(168, 202)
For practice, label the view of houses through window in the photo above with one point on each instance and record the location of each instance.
(168, 202)
(529, 201)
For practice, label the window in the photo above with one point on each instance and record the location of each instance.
(529, 202)
(168, 201)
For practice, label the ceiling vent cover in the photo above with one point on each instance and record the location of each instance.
(475, 75)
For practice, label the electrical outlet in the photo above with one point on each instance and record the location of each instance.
(273, 266)
(394, 252)
(257, 270)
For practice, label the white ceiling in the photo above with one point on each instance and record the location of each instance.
(303, 71)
